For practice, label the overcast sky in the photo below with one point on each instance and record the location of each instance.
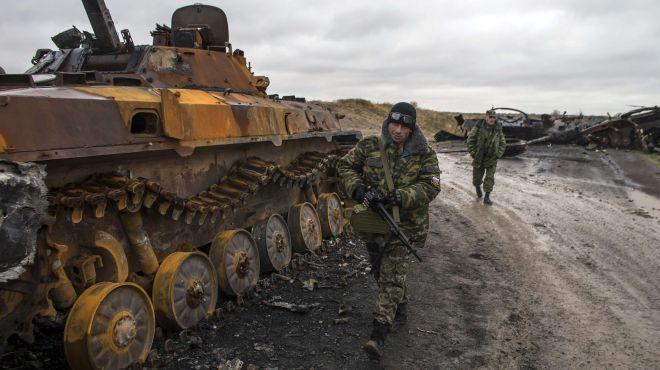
(593, 56)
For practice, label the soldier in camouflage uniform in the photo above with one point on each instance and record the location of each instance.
(486, 144)
(416, 177)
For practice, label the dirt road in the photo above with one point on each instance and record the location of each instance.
(563, 271)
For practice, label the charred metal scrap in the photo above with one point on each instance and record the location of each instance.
(515, 123)
(517, 126)
(636, 129)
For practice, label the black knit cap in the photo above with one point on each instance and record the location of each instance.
(403, 108)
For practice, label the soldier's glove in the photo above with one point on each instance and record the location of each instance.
(358, 193)
(395, 198)
(372, 197)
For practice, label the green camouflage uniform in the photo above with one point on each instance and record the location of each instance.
(413, 168)
(486, 145)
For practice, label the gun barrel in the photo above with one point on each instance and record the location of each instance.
(539, 140)
(396, 230)
(99, 16)
(453, 151)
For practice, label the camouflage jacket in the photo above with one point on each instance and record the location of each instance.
(413, 168)
(486, 144)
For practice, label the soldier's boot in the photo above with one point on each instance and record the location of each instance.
(487, 199)
(374, 347)
(479, 193)
(401, 315)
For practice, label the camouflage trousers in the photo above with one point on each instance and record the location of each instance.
(488, 180)
(390, 273)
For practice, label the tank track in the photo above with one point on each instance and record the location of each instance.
(119, 191)
(213, 204)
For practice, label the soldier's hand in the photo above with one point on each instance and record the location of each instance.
(372, 197)
(395, 198)
(358, 193)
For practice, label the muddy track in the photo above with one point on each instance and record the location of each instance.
(583, 254)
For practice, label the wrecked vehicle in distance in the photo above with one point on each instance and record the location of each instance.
(515, 123)
(636, 129)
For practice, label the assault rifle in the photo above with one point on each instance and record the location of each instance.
(394, 228)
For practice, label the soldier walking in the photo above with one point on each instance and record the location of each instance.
(399, 168)
(486, 144)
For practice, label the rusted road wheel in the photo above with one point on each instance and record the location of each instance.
(236, 259)
(330, 214)
(305, 228)
(274, 243)
(115, 263)
(111, 326)
(185, 290)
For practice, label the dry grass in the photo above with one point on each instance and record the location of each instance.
(367, 117)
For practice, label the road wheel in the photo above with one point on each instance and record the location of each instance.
(330, 214)
(111, 326)
(274, 243)
(236, 259)
(185, 290)
(305, 228)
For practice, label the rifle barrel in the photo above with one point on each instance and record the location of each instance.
(380, 208)
(453, 151)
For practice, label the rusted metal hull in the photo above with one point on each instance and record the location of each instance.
(515, 123)
(152, 154)
(636, 129)
(184, 179)
(185, 218)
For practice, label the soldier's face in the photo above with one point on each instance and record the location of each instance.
(398, 132)
(490, 119)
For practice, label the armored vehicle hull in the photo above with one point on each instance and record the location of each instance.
(138, 182)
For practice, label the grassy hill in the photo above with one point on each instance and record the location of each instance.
(363, 115)
(367, 117)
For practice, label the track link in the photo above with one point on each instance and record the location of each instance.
(211, 205)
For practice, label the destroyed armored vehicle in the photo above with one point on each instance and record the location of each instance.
(516, 125)
(636, 129)
(136, 180)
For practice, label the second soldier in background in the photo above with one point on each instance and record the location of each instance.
(486, 144)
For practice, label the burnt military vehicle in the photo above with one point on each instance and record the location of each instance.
(136, 180)
(515, 123)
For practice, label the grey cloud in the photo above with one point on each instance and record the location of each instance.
(366, 20)
(591, 55)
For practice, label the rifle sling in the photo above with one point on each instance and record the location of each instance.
(388, 178)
